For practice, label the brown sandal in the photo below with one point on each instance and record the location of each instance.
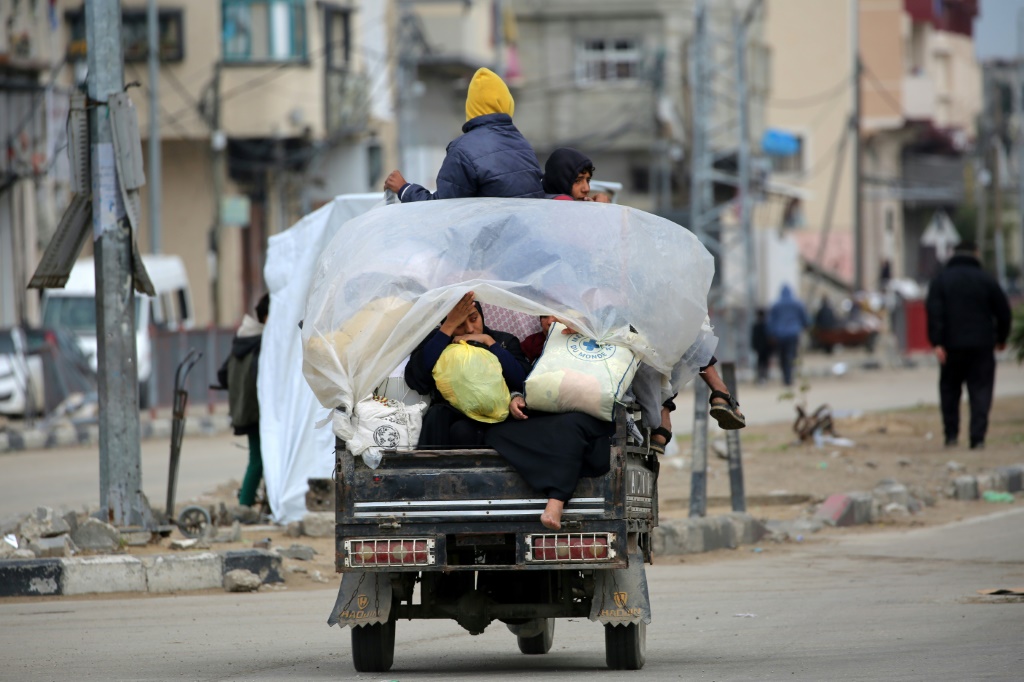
(728, 416)
(659, 448)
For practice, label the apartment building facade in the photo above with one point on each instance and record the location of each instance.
(920, 93)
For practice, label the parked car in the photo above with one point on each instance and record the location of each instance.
(21, 376)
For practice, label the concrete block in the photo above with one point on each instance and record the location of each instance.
(320, 496)
(53, 547)
(102, 574)
(837, 510)
(318, 524)
(176, 573)
(965, 488)
(1014, 478)
(890, 491)
(718, 533)
(34, 439)
(299, 552)
(866, 508)
(240, 580)
(30, 577)
(94, 534)
(746, 528)
(263, 563)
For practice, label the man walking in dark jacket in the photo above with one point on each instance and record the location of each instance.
(490, 159)
(968, 319)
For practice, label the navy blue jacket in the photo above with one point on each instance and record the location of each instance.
(787, 317)
(491, 159)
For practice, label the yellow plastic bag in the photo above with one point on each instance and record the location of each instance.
(469, 377)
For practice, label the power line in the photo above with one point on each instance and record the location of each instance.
(812, 100)
(880, 88)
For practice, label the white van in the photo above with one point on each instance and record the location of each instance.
(74, 308)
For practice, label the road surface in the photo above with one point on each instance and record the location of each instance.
(858, 606)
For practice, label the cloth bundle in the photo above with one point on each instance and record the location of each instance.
(577, 374)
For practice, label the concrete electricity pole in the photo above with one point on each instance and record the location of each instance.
(153, 169)
(118, 382)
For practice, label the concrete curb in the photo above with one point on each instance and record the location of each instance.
(123, 573)
(705, 534)
(64, 434)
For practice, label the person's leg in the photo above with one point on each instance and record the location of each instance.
(981, 379)
(950, 382)
(466, 432)
(253, 473)
(762, 367)
(787, 351)
(647, 391)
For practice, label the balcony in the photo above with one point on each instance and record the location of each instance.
(347, 102)
(919, 99)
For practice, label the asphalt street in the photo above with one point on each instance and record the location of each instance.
(865, 606)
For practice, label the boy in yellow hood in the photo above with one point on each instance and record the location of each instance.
(490, 159)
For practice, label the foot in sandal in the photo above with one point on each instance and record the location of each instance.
(726, 411)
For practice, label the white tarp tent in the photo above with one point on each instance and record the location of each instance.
(293, 450)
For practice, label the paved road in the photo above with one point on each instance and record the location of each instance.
(71, 476)
(874, 606)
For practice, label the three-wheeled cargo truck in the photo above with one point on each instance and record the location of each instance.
(464, 528)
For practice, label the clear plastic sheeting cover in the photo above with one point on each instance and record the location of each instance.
(388, 277)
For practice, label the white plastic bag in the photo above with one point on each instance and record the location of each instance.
(384, 424)
(577, 374)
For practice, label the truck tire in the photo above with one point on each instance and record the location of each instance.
(373, 647)
(625, 646)
(539, 643)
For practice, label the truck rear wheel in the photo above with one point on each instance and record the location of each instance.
(625, 646)
(541, 642)
(373, 647)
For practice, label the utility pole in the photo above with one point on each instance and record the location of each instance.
(218, 148)
(405, 81)
(499, 38)
(118, 381)
(1018, 140)
(981, 174)
(153, 170)
(858, 208)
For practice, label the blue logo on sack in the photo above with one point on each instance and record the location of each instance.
(586, 348)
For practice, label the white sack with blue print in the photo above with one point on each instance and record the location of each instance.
(577, 374)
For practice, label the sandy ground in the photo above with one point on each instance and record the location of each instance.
(904, 445)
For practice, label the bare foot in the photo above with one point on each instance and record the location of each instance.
(552, 516)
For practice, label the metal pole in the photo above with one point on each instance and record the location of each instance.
(218, 147)
(858, 209)
(741, 341)
(699, 470)
(406, 78)
(117, 380)
(732, 446)
(1018, 111)
(155, 198)
(499, 38)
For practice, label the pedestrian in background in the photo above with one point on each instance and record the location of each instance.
(968, 320)
(238, 374)
(787, 318)
(761, 344)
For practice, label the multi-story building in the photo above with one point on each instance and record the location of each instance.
(30, 150)
(611, 78)
(265, 112)
(920, 91)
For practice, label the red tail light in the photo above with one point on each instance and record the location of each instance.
(389, 552)
(570, 547)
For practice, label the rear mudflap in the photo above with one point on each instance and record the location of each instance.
(364, 598)
(620, 595)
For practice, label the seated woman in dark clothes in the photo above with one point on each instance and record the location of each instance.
(442, 423)
(552, 452)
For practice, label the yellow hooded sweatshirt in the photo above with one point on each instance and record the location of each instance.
(488, 94)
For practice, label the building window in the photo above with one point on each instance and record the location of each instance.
(336, 37)
(607, 59)
(263, 30)
(134, 35)
(785, 150)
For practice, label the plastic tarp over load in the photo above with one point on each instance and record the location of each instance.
(388, 277)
